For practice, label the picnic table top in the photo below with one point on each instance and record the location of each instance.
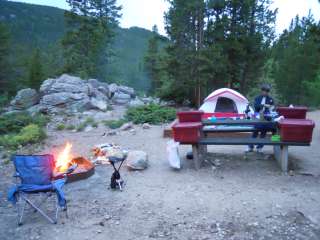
(228, 129)
(247, 141)
(238, 122)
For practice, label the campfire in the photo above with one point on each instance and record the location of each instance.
(76, 168)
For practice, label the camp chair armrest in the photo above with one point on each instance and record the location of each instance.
(17, 177)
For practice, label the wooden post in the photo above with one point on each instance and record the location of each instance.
(281, 154)
(196, 156)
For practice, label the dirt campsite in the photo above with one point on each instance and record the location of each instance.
(233, 196)
(162, 119)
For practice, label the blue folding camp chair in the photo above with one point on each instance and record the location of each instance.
(36, 178)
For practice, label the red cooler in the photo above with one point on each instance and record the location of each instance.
(293, 112)
(190, 116)
(296, 130)
(187, 132)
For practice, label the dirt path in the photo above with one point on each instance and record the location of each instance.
(243, 198)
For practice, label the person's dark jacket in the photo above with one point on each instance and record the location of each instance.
(257, 103)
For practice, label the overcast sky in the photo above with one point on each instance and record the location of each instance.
(146, 13)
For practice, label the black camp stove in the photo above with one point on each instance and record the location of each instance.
(116, 180)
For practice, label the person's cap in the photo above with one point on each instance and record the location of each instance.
(266, 87)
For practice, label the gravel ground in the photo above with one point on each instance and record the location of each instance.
(242, 197)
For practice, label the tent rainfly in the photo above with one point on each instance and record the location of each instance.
(224, 102)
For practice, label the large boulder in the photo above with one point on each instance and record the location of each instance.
(137, 160)
(64, 101)
(127, 90)
(98, 104)
(24, 99)
(65, 83)
(101, 86)
(121, 98)
(113, 88)
(136, 103)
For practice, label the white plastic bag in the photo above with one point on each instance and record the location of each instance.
(173, 154)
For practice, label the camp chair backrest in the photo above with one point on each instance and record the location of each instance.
(34, 169)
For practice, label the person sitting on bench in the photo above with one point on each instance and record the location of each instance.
(262, 104)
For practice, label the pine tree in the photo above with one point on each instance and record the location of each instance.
(185, 28)
(36, 75)
(4, 59)
(297, 60)
(91, 25)
(151, 60)
(217, 43)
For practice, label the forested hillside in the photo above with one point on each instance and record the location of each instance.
(33, 26)
(210, 44)
(232, 43)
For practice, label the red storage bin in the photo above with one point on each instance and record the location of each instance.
(187, 132)
(293, 112)
(296, 130)
(190, 116)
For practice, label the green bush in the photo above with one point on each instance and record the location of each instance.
(14, 122)
(88, 121)
(4, 100)
(60, 127)
(29, 134)
(70, 127)
(153, 113)
(114, 124)
(81, 126)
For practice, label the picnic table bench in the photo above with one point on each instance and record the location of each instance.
(281, 149)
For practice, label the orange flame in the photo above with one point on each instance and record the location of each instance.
(64, 158)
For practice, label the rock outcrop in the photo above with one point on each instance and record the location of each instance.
(24, 99)
(72, 94)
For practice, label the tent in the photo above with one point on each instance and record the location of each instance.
(224, 102)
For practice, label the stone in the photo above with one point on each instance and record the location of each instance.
(46, 85)
(112, 133)
(147, 100)
(24, 99)
(136, 103)
(127, 90)
(88, 128)
(113, 88)
(56, 99)
(137, 160)
(65, 83)
(146, 126)
(94, 82)
(133, 131)
(121, 98)
(98, 104)
(126, 126)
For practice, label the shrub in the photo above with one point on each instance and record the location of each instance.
(81, 126)
(28, 134)
(14, 122)
(4, 100)
(60, 127)
(70, 127)
(114, 124)
(153, 113)
(88, 121)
